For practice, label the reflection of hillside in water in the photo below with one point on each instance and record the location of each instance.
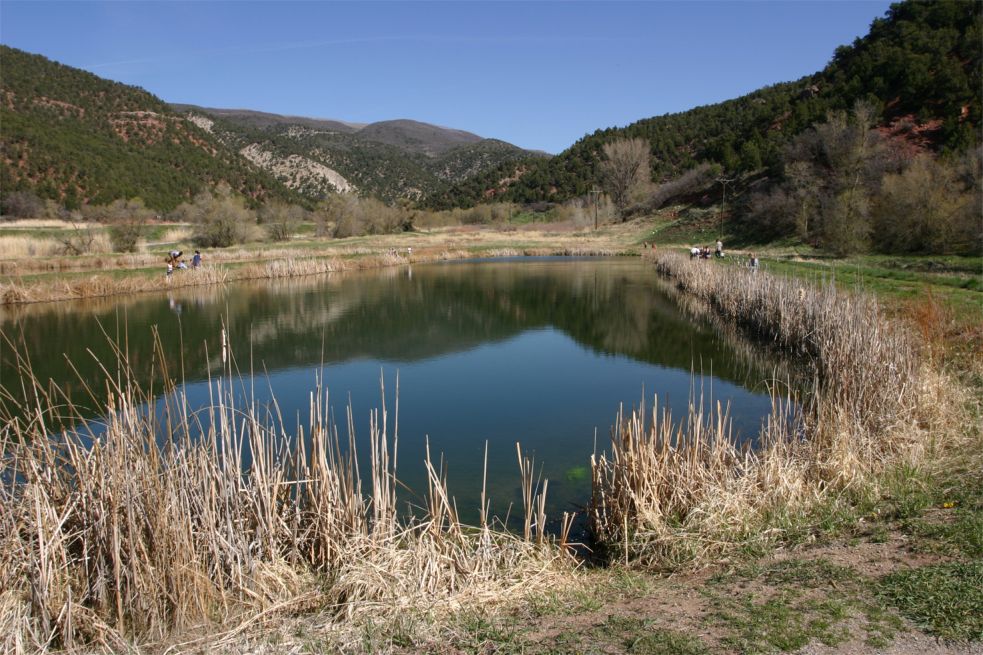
(397, 314)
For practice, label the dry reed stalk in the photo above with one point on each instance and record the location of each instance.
(533, 489)
(668, 494)
(174, 520)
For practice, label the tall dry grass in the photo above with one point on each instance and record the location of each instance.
(669, 493)
(170, 522)
(20, 247)
(178, 234)
(35, 223)
(233, 265)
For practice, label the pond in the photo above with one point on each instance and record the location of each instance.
(536, 351)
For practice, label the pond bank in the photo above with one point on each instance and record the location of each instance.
(250, 555)
(92, 285)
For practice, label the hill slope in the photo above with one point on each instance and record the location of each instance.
(76, 138)
(262, 120)
(419, 137)
(921, 62)
(392, 160)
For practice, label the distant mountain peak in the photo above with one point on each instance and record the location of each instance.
(391, 159)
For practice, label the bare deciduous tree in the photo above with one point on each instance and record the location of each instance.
(281, 220)
(78, 241)
(23, 204)
(928, 208)
(126, 220)
(625, 169)
(221, 219)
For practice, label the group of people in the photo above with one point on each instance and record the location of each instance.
(175, 259)
(696, 252)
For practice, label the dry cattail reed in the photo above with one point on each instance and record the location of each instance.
(175, 519)
(670, 493)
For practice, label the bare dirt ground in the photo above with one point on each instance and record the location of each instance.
(742, 611)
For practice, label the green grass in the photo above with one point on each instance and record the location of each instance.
(783, 623)
(666, 642)
(690, 226)
(909, 492)
(869, 272)
(797, 602)
(945, 600)
(808, 574)
(623, 634)
(156, 232)
(955, 526)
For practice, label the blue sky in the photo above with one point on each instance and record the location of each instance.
(540, 75)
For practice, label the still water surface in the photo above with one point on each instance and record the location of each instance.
(537, 351)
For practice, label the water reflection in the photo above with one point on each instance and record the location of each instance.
(541, 352)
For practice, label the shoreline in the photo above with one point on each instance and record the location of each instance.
(93, 285)
(652, 548)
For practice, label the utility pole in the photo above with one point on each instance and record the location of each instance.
(594, 194)
(723, 201)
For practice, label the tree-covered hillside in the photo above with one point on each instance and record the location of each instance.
(390, 160)
(76, 138)
(922, 61)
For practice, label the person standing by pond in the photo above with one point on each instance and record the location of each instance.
(720, 248)
(196, 260)
(752, 263)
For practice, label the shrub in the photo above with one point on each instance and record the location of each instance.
(927, 208)
(23, 204)
(125, 235)
(80, 240)
(220, 220)
(281, 220)
(127, 220)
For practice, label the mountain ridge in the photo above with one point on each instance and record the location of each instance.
(76, 138)
(398, 159)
